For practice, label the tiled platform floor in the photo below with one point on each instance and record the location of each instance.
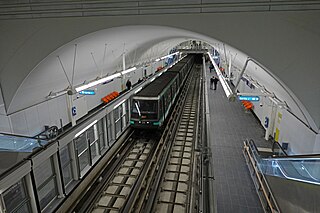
(231, 125)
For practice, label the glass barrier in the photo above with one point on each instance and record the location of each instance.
(305, 169)
(19, 144)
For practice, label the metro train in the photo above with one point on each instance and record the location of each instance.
(150, 106)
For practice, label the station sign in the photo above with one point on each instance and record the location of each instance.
(249, 98)
(87, 92)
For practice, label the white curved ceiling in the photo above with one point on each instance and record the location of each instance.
(24, 73)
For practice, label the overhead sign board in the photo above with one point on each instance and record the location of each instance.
(249, 98)
(87, 92)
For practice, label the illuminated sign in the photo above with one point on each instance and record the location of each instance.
(249, 98)
(87, 92)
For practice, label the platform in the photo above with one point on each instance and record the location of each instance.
(231, 125)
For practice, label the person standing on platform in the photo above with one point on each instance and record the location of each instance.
(211, 82)
(211, 67)
(215, 82)
(128, 84)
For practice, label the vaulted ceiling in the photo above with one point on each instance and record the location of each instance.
(286, 43)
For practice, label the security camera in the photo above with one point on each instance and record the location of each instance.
(261, 104)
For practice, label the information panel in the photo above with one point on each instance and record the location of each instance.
(87, 92)
(249, 98)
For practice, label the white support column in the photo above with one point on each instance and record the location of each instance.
(31, 193)
(96, 138)
(272, 117)
(113, 126)
(2, 210)
(70, 105)
(75, 169)
(60, 185)
(105, 131)
(124, 122)
(229, 68)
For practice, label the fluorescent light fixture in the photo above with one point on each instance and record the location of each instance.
(152, 79)
(254, 94)
(128, 70)
(100, 81)
(138, 90)
(169, 55)
(160, 74)
(158, 59)
(119, 103)
(223, 82)
(85, 129)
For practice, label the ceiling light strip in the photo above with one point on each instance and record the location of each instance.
(223, 81)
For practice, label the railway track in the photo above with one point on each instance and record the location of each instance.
(120, 185)
(158, 175)
(114, 192)
(177, 185)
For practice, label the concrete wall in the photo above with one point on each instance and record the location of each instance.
(289, 128)
(32, 120)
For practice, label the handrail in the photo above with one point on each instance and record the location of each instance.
(251, 141)
(283, 168)
(18, 136)
(275, 143)
(298, 176)
(258, 177)
(306, 156)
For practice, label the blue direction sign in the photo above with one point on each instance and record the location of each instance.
(249, 98)
(74, 111)
(87, 92)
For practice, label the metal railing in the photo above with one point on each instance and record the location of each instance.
(250, 153)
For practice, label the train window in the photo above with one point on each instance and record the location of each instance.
(16, 199)
(145, 109)
(169, 95)
(166, 102)
(160, 107)
(174, 87)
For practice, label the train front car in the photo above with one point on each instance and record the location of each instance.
(152, 105)
(149, 105)
(145, 112)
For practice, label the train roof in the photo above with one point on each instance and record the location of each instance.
(177, 67)
(155, 88)
(180, 64)
(185, 59)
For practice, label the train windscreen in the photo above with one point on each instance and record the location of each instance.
(144, 109)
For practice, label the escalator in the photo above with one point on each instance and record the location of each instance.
(293, 182)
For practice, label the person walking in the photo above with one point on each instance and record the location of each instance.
(215, 82)
(211, 82)
(128, 84)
